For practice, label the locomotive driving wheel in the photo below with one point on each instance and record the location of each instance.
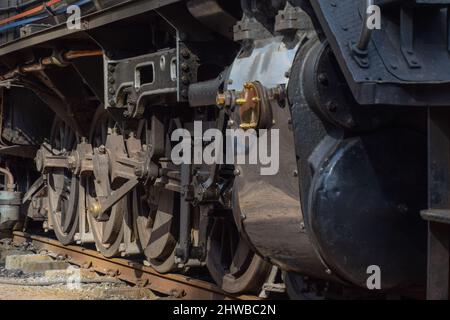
(156, 211)
(108, 230)
(63, 186)
(231, 261)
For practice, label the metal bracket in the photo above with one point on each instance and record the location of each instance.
(271, 285)
(407, 37)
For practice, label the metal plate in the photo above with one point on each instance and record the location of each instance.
(260, 65)
(365, 207)
(388, 79)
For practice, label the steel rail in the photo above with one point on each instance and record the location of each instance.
(174, 285)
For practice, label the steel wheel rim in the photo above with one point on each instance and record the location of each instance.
(230, 260)
(158, 245)
(156, 211)
(108, 235)
(63, 186)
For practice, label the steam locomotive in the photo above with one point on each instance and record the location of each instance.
(349, 97)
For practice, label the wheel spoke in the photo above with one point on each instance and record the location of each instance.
(63, 188)
(223, 252)
(66, 137)
(103, 132)
(230, 260)
(239, 258)
(109, 231)
(72, 207)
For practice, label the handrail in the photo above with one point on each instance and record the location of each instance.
(366, 32)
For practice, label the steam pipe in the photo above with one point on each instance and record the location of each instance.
(9, 179)
(51, 61)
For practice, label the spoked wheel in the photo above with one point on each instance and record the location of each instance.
(156, 211)
(231, 261)
(108, 230)
(63, 186)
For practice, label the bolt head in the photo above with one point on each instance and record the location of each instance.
(95, 209)
(332, 106)
(322, 78)
(350, 122)
(185, 53)
(185, 67)
(220, 99)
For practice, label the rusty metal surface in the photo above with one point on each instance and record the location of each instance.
(65, 58)
(178, 286)
(94, 20)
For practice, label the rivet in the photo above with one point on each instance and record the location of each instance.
(323, 78)
(185, 53)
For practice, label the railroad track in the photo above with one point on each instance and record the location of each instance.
(174, 285)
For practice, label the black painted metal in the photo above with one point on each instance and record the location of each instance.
(361, 191)
(438, 215)
(329, 95)
(134, 81)
(365, 201)
(400, 56)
